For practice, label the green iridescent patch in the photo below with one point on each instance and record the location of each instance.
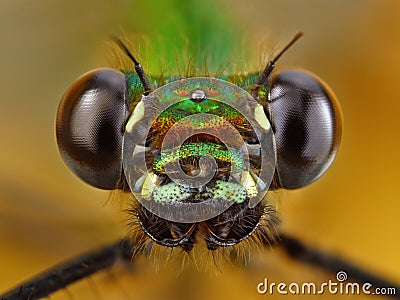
(193, 107)
(198, 150)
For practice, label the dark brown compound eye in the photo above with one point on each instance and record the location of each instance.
(308, 127)
(89, 126)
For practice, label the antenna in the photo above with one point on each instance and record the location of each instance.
(138, 67)
(271, 65)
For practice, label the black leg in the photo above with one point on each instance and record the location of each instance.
(75, 269)
(331, 263)
(70, 271)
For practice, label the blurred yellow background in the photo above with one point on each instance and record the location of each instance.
(47, 215)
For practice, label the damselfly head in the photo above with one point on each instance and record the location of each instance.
(199, 154)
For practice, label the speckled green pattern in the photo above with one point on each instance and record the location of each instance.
(174, 192)
(199, 150)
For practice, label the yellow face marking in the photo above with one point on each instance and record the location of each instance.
(261, 118)
(137, 114)
(247, 181)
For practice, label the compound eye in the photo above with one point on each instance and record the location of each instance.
(89, 126)
(308, 127)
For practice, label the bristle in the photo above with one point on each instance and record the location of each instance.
(157, 61)
(214, 261)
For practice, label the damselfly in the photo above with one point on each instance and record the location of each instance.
(199, 154)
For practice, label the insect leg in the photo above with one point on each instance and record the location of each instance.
(70, 271)
(331, 263)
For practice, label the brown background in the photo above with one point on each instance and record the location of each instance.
(47, 215)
